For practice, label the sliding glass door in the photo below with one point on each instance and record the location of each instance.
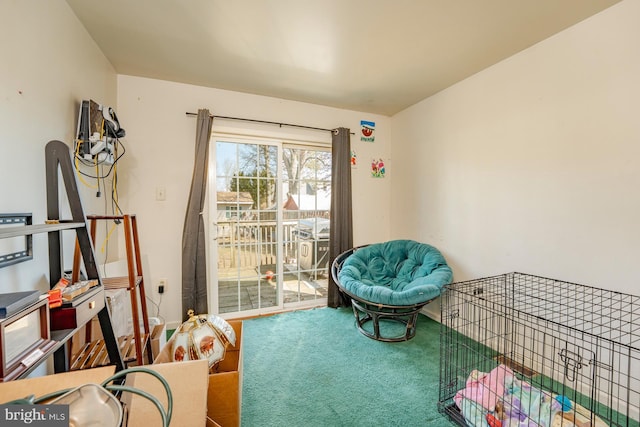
(269, 235)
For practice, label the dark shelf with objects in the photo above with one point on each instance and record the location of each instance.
(55, 341)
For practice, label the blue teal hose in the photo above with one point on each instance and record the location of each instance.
(165, 415)
(156, 402)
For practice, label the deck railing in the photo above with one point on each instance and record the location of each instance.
(255, 243)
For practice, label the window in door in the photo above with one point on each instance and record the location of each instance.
(271, 203)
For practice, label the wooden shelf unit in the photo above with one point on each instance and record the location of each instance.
(131, 347)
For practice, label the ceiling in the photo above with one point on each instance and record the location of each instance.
(376, 56)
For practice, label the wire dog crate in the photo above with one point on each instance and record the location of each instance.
(521, 350)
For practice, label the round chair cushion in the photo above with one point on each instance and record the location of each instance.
(397, 272)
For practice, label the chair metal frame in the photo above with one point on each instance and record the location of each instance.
(367, 311)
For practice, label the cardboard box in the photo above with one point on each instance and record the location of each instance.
(224, 396)
(187, 381)
(40, 386)
(224, 399)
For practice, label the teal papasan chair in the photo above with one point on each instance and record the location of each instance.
(391, 281)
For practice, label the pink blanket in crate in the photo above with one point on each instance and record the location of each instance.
(499, 398)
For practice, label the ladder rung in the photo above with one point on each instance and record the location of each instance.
(111, 283)
(94, 354)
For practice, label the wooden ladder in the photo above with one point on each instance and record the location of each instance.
(92, 354)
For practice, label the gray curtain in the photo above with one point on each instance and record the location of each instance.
(194, 260)
(341, 237)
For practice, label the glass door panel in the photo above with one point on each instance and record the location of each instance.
(306, 203)
(245, 205)
(271, 204)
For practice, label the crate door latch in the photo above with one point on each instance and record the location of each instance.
(572, 363)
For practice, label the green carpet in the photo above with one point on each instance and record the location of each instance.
(313, 368)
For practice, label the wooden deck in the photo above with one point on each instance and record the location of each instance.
(247, 250)
(251, 294)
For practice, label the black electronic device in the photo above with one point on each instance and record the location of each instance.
(98, 131)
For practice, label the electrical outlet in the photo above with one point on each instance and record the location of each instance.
(162, 286)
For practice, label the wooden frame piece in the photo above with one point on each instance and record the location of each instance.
(12, 330)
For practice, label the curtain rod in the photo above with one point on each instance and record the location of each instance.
(266, 122)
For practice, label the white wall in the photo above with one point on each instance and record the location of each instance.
(528, 165)
(49, 64)
(160, 150)
(532, 165)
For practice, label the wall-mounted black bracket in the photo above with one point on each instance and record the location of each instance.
(18, 248)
